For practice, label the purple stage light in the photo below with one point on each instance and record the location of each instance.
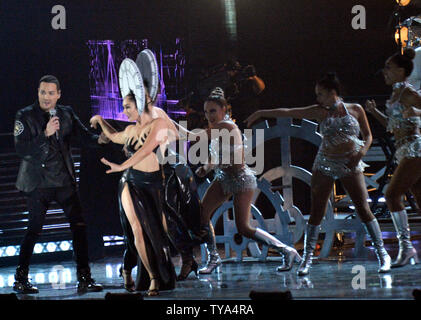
(106, 57)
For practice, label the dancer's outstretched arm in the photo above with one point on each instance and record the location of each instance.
(185, 134)
(111, 133)
(173, 132)
(315, 112)
(158, 135)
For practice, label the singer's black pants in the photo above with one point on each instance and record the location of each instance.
(38, 202)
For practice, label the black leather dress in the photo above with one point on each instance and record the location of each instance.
(146, 191)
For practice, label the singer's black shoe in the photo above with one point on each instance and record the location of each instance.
(22, 284)
(86, 283)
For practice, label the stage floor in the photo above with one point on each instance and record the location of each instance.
(332, 278)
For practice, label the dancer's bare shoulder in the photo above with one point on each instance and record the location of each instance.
(228, 125)
(355, 109)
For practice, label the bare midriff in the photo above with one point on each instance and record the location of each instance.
(150, 163)
(340, 150)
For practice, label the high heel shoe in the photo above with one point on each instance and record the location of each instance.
(290, 255)
(129, 284)
(186, 268)
(153, 292)
(213, 263)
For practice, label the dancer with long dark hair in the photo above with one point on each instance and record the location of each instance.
(181, 205)
(402, 118)
(339, 157)
(141, 194)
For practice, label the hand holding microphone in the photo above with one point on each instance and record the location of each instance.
(53, 124)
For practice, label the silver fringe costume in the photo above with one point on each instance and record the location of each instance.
(409, 146)
(237, 181)
(337, 131)
(224, 156)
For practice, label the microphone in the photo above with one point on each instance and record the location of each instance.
(53, 113)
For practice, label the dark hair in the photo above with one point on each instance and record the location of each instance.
(49, 79)
(131, 96)
(330, 82)
(146, 86)
(217, 96)
(404, 60)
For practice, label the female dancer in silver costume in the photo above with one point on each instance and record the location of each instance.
(232, 178)
(403, 120)
(141, 195)
(339, 157)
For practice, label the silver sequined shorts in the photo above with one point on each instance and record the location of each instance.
(234, 182)
(408, 147)
(335, 168)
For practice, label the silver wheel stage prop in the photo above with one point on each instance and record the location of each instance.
(130, 80)
(148, 67)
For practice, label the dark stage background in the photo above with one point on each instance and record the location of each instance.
(291, 44)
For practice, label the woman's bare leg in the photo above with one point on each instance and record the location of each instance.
(405, 177)
(242, 210)
(357, 190)
(321, 188)
(139, 241)
(212, 200)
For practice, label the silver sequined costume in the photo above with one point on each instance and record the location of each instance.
(237, 181)
(224, 156)
(409, 146)
(337, 131)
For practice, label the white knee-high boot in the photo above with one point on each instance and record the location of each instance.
(310, 240)
(290, 254)
(214, 260)
(407, 253)
(373, 230)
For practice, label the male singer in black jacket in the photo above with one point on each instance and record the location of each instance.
(42, 134)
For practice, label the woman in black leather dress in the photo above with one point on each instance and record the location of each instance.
(141, 189)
